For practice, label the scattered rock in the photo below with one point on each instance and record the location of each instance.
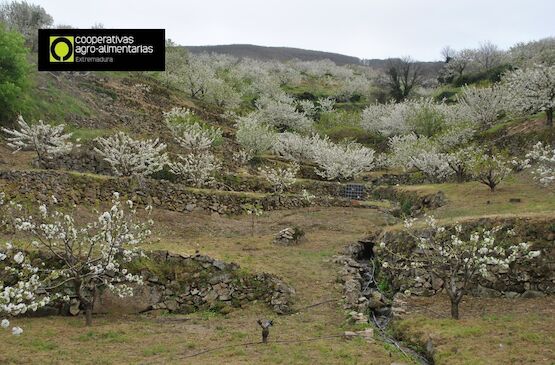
(289, 236)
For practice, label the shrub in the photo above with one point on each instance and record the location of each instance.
(13, 74)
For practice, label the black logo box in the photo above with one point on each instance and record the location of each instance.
(154, 61)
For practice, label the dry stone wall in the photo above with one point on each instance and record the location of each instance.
(74, 188)
(527, 277)
(181, 284)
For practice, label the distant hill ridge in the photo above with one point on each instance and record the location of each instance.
(287, 53)
(274, 53)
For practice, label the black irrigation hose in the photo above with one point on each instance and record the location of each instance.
(260, 342)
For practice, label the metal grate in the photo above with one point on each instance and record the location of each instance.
(353, 192)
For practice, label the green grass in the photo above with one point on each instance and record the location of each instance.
(154, 350)
(87, 134)
(51, 103)
(513, 332)
(474, 199)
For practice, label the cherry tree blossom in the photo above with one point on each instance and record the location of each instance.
(46, 140)
(197, 169)
(386, 119)
(308, 107)
(20, 288)
(433, 164)
(281, 178)
(281, 113)
(527, 54)
(313, 108)
(255, 136)
(456, 257)
(542, 159)
(188, 131)
(196, 74)
(342, 161)
(484, 105)
(222, 94)
(295, 147)
(532, 90)
(21, 283)
(489, 169)
(404, 148)
(90, 256)
(131, 157)
(459, 161)
(423, 117)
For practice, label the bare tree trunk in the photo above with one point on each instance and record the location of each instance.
(549, 119)
(454, 309)
(88, 315)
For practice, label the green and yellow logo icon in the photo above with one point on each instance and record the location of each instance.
(61, 49)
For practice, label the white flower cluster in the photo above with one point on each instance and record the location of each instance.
(46, 140)
(21, 289)
(334, 161)
(543, 159)
(433, 164)
(484, 105)
(541, 51)
(188, 132)
(342, 161)
(532, 90)
(385, 119)
(196, 169)
(294, 147)
(128, 156)
(423, 117)
(421, 153)
(311, 109)
(241, 157)
(280, 178)
(255, 136)
(280, 112)
(195, 137)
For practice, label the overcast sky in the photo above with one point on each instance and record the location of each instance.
(365, 29)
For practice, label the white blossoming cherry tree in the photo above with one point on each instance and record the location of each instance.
(131, 157)
(281, 178)
(198, 170)
(532, 89)
(454, 256)
(46, 140)
(86, 257)
(489, 169)
(198, 166)
(190, 132)
(342, 162)
(542, 158)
